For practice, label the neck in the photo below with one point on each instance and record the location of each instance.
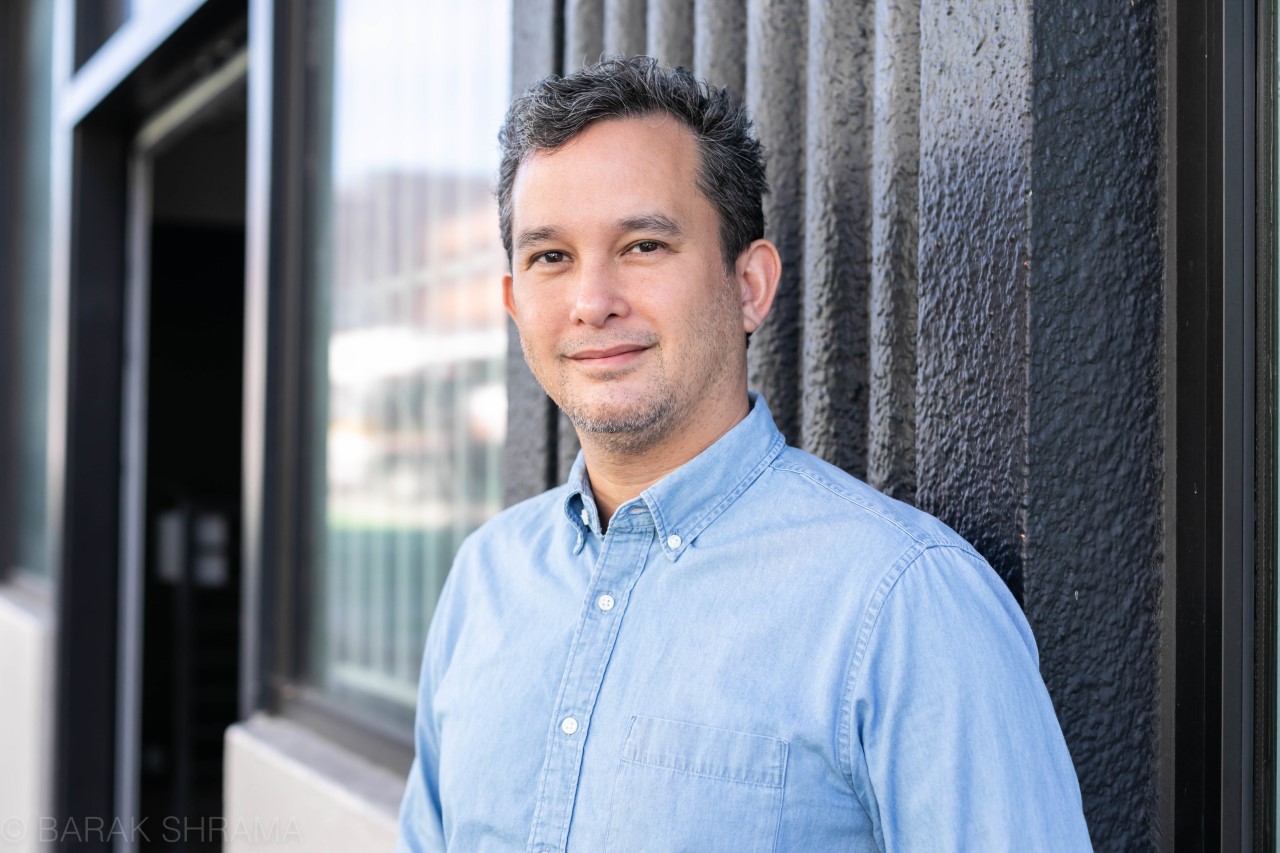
(617, 475)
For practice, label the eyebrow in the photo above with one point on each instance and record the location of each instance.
(533, 236)
(657, 223)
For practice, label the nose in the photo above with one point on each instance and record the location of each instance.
(599, 295)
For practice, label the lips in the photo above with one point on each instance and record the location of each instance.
(614, 356)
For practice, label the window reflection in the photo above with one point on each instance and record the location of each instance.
(415, 331)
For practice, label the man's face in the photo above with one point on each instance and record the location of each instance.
(626, 314)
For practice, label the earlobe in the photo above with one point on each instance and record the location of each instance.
(508, 296)
(759, 268)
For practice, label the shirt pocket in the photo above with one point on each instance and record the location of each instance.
(686, 787)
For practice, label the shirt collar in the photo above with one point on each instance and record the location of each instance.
(690, 498)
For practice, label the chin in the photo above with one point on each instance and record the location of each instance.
(642, 421)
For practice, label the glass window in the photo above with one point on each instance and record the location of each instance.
(97, 21)
(411, 348)
(32, 314)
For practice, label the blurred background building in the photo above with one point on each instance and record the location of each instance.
(256, 383)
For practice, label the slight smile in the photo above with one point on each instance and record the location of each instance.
(609, 358)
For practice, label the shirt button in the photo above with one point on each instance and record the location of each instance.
(605, 603)
(673, 541)
(569, 725)
(586, 517)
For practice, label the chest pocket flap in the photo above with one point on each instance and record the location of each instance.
(683, 786)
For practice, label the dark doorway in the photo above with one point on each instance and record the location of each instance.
(182, 675)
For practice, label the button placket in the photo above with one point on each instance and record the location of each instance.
(621, 561)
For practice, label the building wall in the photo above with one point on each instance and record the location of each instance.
(967, 202)
(1095, 405)
(26, 658)
(288, 789)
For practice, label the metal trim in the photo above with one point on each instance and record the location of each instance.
(1238, 260)
(158, 133)
(133, 451)
(258, 218)
(119, 57)
(172, 122)
(1267, 392)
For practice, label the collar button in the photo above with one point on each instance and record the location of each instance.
(673, 541)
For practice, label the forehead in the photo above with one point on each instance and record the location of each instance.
(612, 165)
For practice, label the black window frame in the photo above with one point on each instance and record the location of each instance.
(1267, 390)
(1217, 756)
(280, 558)
(12, 132)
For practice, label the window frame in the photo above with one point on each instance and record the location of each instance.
(1267, 603)
(285, 348)
(1219, 648)
(11, 152)
(287, 37)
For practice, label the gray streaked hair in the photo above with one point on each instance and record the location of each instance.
(556, 109)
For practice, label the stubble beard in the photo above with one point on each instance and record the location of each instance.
(622, 426)
(633, 427)
(625, 430)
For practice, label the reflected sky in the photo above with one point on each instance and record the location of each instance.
(414, 83)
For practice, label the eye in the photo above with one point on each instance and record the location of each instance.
(645, 247)
(548, 258)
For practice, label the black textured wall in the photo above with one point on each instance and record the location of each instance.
(777, 39)
(529, 460)
(965, 196)
(1093, 557)
(975, 185)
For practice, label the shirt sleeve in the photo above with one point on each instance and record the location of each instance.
(953, 741)
(421, 827)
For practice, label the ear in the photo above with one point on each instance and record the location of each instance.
(758, 270)
(508, 296)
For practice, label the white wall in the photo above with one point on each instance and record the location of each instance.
(288, 789)
(26, 716)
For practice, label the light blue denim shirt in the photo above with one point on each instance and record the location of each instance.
(762, 653)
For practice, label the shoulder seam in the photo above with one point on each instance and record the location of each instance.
(888, 583)
(916, 536)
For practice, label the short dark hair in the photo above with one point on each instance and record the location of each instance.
(556, 109)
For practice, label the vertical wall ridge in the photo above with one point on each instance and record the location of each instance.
(583, 32)
(776, 65)
(973, 258)
(669, 29)
(624, 27)
(837, 230)
(891, 463)
(1095, 487)
(720, 42)
(530, 450)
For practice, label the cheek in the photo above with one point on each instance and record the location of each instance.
(540, 337)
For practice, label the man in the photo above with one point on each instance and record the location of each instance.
(705, 640)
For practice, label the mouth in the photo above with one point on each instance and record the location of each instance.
(609, 358)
